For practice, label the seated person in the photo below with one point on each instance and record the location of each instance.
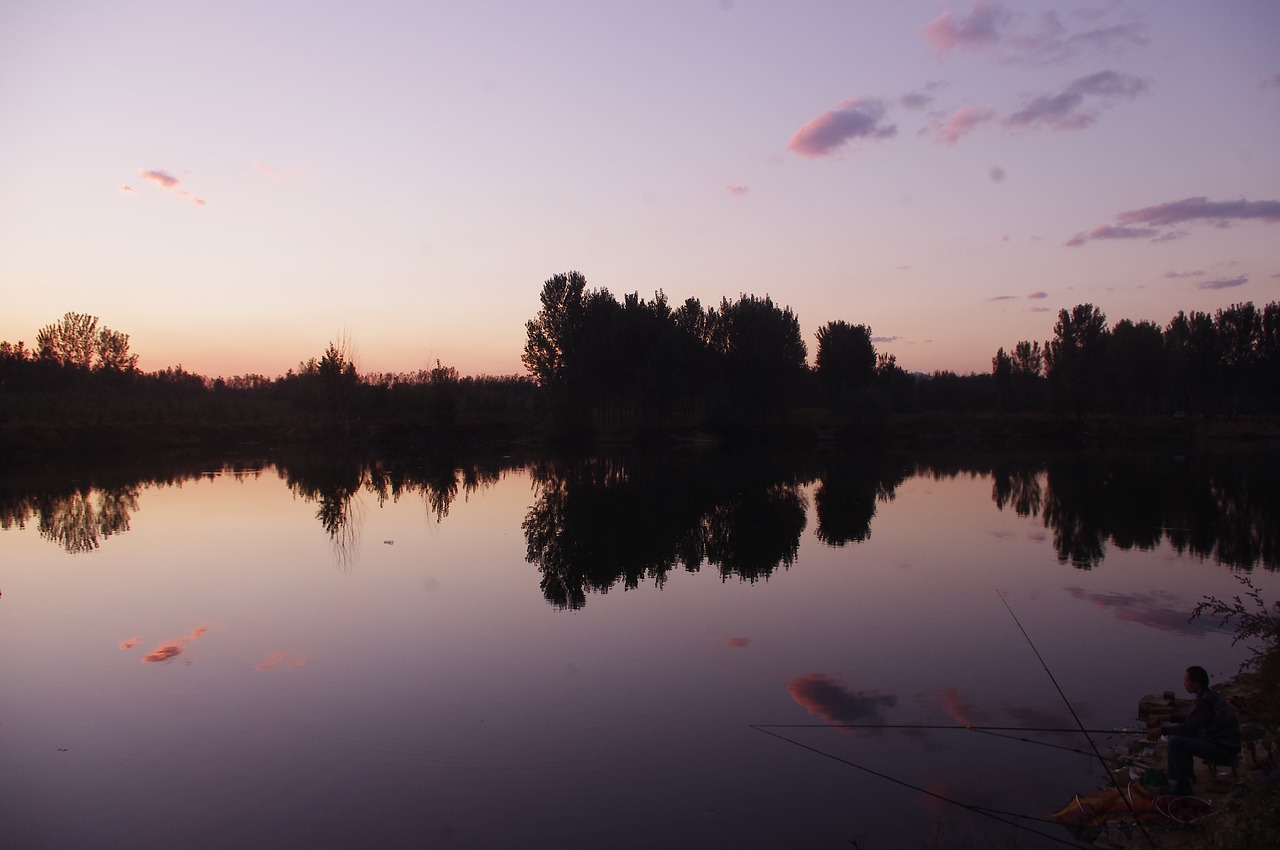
(1211, 732)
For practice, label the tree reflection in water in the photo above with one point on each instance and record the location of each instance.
(336, 481)
(599, 522)
(602, 521)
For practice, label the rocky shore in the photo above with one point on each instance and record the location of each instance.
(1223, 795)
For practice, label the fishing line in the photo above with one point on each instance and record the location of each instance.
(1076, 717)
(978, 810)
(993, 731)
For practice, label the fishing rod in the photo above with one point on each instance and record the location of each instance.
(966, 726)
(1002, 817)
(993, 731)
(1128, 804)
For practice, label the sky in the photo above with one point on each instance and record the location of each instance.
(235, 184)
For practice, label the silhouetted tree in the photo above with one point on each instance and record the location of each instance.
(1135, 366)
(554, 336)
(846, 357)
(1191, 352)
(1075, 356)
(761, 352)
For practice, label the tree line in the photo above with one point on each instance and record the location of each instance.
(643, 366)
(1226, 363)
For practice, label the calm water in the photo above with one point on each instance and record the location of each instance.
(340, 654)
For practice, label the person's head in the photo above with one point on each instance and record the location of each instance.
(1196, 679)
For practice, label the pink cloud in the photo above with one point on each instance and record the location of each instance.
(128, 190)
(847, 120)
(267, 170)
(168, 182)
(962, 122)
(1107, 231)
(161, 178)
(737, 191)
(1223, 283)
(1197, 273)
(1220, 213)
(1016, 38)
(738, 642)
(1036, 296)
(1069, 109)
(980, 29)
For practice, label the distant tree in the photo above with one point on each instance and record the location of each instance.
(70, 341)
(761, 351)
(1192, 358)
(554, 335)
(846, 357)
(76, 340)
(113, 352)
(1002, 373)
(1027, 360)
(1135, 366)
(1074, 358)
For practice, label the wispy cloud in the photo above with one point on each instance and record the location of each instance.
(737, 191)
(128, 190)
(962, 122)
(1223, 283)
(161, 178)
(1218, 213)
(1017, 38)
(862, 118)
(981, 28)
(1196, 273)
(883, 339)
(1077, 106)
(1270, 82)
(1145, 223)
(738, 643)
(1108, 231)
(1038, 296)
(1003, 298)
(922, 98)
(169, 183)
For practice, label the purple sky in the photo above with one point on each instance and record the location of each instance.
(236, 184)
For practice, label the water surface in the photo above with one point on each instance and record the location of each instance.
(576, 654)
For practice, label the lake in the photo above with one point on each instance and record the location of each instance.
(624, 652)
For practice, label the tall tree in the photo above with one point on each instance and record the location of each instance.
(70, 341)
(846, 356)
(554, 334)
(1074, 357)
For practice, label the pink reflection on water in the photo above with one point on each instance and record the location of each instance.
(276, 658)
(958, 708)
(834, 703)
(173, 648)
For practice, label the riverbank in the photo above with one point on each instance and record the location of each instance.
(1240, 814)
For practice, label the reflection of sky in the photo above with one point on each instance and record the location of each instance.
(432, 708)
(1156, 609)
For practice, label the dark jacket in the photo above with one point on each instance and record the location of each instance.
(1211, 719)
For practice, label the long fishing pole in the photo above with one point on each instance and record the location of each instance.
(979, 810)
(993, 731)
(966, 726)
(1076, 717)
